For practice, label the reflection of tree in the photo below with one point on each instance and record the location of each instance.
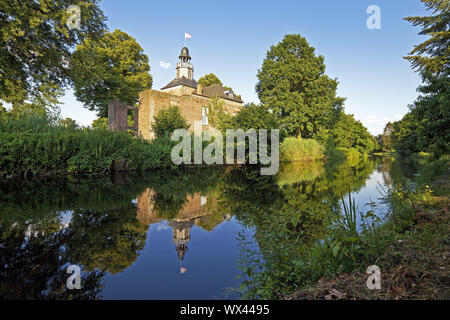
(33, 266)
(109, 240)
(402, 169)
(36, 200)
(288, 217)
(102, 235)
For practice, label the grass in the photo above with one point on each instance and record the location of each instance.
(295, 149)
(411, 248)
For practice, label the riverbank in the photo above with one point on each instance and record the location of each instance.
(412, 249)
(37, 146)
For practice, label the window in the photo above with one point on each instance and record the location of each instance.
(205, 116)
(229, 94)
(202, 200)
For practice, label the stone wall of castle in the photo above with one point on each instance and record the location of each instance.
(152, 101)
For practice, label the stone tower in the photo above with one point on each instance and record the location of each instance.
(184, 66)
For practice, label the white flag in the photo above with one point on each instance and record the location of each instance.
(187, 35)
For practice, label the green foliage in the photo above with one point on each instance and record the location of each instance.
(209, 80)
(100, 123)
(297, 149)
(68, 123)
(349, 133)
(112, 67)
(350, 153)
(385, 140)
(431, 110)
(255, 117)
(34, 146)
(426, 126)
(404, 135)
(167, 120)
(292, 82)
(217, 118)
(432, 55)
(36, 45)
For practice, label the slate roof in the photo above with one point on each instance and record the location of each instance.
(218, 90)
(183, 81)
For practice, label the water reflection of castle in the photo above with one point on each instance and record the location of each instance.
(198, 210)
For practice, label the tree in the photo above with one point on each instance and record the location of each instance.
(168, 120)
(349, 133)
(384, 140)
(217, 118)
(36, 45)
(292, 82)
(404, 135)
(209, 80)
(68, 123)
(113, 67)
(255, 117)
(426, 126)
(26, 108)
(432, 113)
(100, 123)
(432, 56)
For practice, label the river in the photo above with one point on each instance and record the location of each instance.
(177, 235)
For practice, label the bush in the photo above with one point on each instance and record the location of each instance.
(351, 153)
(33, 146)
(297, 149)
(167, 121)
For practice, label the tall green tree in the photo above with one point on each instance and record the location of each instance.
(209, 80)
(385, 139)
(426, 126)
(432, 112)
(404, 135)
(36, 45)
(112, 67)
(351, 133)
(433, 55)
(292, 82)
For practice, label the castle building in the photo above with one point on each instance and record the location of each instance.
(186, 93)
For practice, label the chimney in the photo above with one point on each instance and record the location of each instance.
(199, 89)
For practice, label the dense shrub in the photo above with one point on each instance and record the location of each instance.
(167, 121)
(33, 146)
(297, 149)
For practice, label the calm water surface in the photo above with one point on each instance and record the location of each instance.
(175, 235)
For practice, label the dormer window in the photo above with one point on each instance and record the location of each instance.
(229, 94)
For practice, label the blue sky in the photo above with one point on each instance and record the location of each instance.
(230, 39)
